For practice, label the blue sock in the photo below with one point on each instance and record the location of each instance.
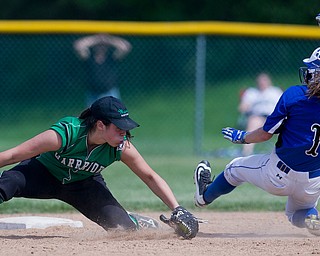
(220, 186)
(300, 215)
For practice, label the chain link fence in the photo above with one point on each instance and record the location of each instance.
(181, 89)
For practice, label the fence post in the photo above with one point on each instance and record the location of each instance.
(200, 75)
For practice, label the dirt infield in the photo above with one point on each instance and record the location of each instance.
(224, 234)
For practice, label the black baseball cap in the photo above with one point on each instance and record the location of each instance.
(112, 109)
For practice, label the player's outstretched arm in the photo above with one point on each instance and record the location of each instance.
(244, 137)
(181, 220)
(46, 141)
(132, 158)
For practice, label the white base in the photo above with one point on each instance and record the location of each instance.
(36, 222)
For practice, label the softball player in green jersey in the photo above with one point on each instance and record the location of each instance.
(65, 163)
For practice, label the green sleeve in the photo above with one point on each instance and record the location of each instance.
(67, 128)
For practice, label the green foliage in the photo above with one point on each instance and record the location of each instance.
(272, 11)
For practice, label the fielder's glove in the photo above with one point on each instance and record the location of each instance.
(183, 222)
(234, 135)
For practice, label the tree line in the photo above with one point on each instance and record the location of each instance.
(269, 11)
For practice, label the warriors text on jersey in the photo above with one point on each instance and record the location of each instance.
(297, 117)
(73, 162)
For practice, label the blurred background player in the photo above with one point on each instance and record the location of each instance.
(292, 169)
(102, 54)
(318, 19)
(256, 104)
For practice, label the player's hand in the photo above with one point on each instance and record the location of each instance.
(234, 135)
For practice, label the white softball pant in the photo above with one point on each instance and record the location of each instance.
(269, 173)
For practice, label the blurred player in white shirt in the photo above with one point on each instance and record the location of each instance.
(256, 104)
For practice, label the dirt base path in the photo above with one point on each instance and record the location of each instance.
(225, 234)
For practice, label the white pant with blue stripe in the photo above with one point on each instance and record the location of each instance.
(263, 171)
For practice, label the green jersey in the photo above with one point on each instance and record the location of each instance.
(73, 162)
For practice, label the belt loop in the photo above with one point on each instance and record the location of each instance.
(284, 168)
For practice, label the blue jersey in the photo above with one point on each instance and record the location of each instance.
(296, 118)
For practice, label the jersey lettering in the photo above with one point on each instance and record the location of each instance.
(85, 166)
(313, 150)
(94, 168)
(63, 161)
(71, 162)
(79, 165)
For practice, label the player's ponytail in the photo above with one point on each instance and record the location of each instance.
(88, 118)
(85, 114)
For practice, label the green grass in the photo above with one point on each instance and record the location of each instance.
(133, 194)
